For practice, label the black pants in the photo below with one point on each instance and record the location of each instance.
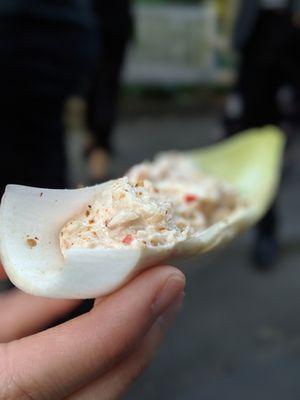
(270, 59)
(41, 64)
(105, 85)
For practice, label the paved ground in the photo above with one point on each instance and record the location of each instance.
(239, 334)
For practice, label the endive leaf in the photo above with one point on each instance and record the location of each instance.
(251, 161)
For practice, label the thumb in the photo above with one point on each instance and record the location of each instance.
(58, 362)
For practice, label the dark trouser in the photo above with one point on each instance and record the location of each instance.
(270, 59)
(105, 86)
(41, 64)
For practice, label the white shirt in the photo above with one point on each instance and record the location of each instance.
(273, 4)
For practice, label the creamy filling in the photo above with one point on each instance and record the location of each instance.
(156, 204)
(198, 200)
(124, 214)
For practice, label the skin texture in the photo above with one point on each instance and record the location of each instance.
(95, 356)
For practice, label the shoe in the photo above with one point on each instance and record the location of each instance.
(265, 252)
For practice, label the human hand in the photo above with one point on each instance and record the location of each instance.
(98, 163)
(95, 356)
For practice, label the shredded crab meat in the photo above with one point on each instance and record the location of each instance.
(123, 214)
(198, 200)
(156, 204)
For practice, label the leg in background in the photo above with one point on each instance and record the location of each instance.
(104, 96)
(258, 83)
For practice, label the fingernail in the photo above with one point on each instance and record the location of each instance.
(167, 319)
(169, 294)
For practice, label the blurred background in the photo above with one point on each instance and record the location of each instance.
(90, 88)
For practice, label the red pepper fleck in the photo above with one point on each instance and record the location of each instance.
(189, 198)
(127, 239)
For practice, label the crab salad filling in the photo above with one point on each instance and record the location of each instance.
(157, 204)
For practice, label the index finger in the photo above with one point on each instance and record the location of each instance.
(22, 314)
(65, 358)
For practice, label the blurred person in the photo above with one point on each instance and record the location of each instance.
(116, 29)
(267, 39)
(46, 47)
(95, 356)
